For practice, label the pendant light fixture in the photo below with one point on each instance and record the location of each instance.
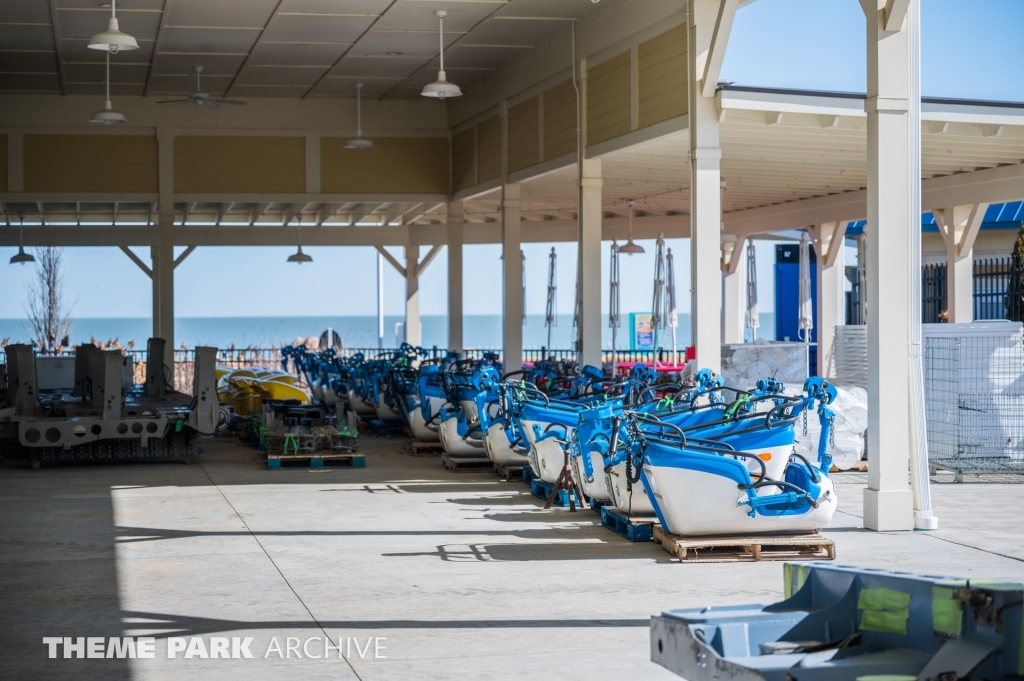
(629, 248)
(359, 142)
(441, 88)
(107, 116)
(300, 257)
(21, 256)
(112, 40)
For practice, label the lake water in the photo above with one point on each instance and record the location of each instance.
(480, 331)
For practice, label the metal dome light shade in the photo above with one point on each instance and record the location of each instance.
(113, 40)
(299, 256)
(359, 142)
(629, 248)
(21, 256)
(441, 88)
(108, 116)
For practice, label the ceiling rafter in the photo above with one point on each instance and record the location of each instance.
(257, 212)
(326, 212)
(56, 41)
(294, 210)
(424, 213)
(156, 47)
(245, 62)
(222, 211)
(345, 53)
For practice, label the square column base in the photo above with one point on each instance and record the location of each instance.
(888, 510)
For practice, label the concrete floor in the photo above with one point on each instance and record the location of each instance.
(464, 576)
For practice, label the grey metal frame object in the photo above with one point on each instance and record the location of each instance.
(83, 369)
(68, 433)
(106, 420)
(156, 380)
(22, 392)
(842, 623)
(203, 413)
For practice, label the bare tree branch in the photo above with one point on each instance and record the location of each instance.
(48, 309)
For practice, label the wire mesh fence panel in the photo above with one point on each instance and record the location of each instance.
(974, 403)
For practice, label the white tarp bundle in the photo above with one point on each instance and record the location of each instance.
(849, 426)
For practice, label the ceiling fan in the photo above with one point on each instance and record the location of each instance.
(200, 98)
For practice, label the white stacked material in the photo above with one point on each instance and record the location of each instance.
(744, 364)
(849, 361)
(850, 425)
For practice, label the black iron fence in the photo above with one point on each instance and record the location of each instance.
(933, 293)
(998, 291)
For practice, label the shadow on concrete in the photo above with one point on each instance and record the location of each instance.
(542, 516)
(58, 575)
(507, 499)
(181, 625)
(133, 535)
(474, 553)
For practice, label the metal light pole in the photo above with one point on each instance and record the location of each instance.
(613, 299)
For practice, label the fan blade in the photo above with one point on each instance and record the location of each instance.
(176, 101)
(228, 101)
(210, 104)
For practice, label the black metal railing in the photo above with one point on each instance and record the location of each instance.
(998, 289)
(933, 293)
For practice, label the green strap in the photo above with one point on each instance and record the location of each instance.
(947, 613)
(731, 411)
(884, 609)
(290, 438)
(177, 426)
(793, 580)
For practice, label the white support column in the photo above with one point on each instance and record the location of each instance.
(413, 334)
(709, 24)
(829, 242)
(959, 226)
(163, 255)
(512, 278)
(734, 288)
(590, 264)
(456, 235)
(154, 257)
(888, 502)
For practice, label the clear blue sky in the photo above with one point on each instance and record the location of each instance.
(815, 44)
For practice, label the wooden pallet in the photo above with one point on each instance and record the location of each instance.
(741, 549)
(466, 464)
(509, 473)
(420, 447)
(277, 462)
(632, 527)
